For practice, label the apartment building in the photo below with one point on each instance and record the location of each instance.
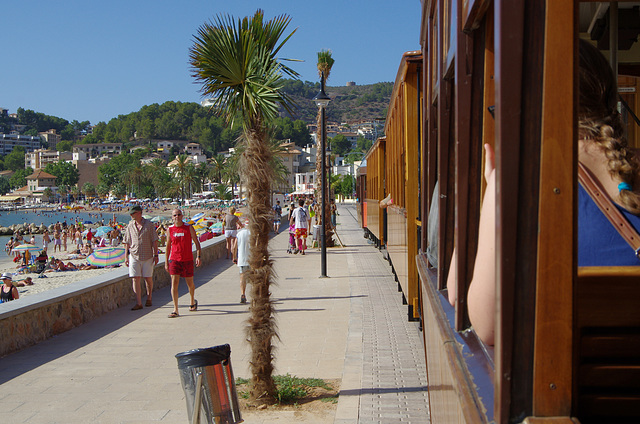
(9, 141)
(51, 137)
(85, 151)
(41, 157)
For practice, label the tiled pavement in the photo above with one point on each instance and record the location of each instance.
(121, 368)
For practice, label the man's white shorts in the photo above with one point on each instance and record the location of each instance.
(140, 268)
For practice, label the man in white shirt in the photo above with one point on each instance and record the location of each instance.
(243, 236)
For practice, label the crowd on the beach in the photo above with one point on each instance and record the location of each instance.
(63, 244)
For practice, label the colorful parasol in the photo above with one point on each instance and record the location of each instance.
(103, 230)
(107, 256)
(26, 248)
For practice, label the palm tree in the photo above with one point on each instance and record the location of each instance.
(217, 168)
(180, 170)
(89, 189)
(158, 174)
(235, 60)
(202, 171)
(223, 192)
(190, 179)
(62, 192)
(135, 176)
(325, 63)
(48, 193)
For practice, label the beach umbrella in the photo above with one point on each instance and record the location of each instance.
(146, 216)
(156, 219)
(107, 256)
(103, 230)
(26, 248)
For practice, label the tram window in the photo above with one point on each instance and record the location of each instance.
(599, 244)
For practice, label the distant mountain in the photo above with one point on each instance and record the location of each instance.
(348, 103)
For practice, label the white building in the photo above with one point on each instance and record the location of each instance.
(304, 183)
(9, 141)
(86, 151)
(41, 157)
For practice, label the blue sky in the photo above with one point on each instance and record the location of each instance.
(94, 60)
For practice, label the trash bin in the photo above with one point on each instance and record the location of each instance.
(209, 386)
(316, 232)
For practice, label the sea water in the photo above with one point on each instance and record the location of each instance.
(48, 217)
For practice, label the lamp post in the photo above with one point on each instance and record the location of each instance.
(322, 100)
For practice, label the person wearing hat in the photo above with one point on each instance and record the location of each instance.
(141, 250)
(9, 291)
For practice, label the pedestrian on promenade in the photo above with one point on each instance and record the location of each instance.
(141, 254)
(277, 217)
(179, 259)
(243, 261)
(334, 213)
(300, 219)
(9, 291)
(231, 224)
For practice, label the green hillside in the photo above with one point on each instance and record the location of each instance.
(347, 103)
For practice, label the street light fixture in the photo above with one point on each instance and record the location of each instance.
(322, 100)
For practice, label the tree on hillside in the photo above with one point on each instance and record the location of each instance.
(15, 160)
(340, 145)
(5, 186)
(19, 179)
(236, 62)
(64, 146)
(112, 172)
(66, 174)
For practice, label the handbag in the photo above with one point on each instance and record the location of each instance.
(606, 205)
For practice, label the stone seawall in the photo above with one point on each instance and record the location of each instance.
(35, 318)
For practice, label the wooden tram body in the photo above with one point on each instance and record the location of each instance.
(504, 72)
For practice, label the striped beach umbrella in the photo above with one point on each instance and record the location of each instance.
(107, 256)
(26, 248)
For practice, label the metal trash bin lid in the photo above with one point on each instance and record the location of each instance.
(204, 357)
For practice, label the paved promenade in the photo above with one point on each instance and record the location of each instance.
(121, 367)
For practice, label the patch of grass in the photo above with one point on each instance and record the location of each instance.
(330, 399)
(241, 381)
(289, 389)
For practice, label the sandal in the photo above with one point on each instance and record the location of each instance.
(136, 308)
(194, 307)
(173, 315)
(148, 304)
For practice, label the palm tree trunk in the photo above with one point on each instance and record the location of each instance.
(326, 225)
(261, 329)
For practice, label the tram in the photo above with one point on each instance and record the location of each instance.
(566, 344)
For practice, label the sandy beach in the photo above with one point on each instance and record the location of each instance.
(54, 278)
(60, 278)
